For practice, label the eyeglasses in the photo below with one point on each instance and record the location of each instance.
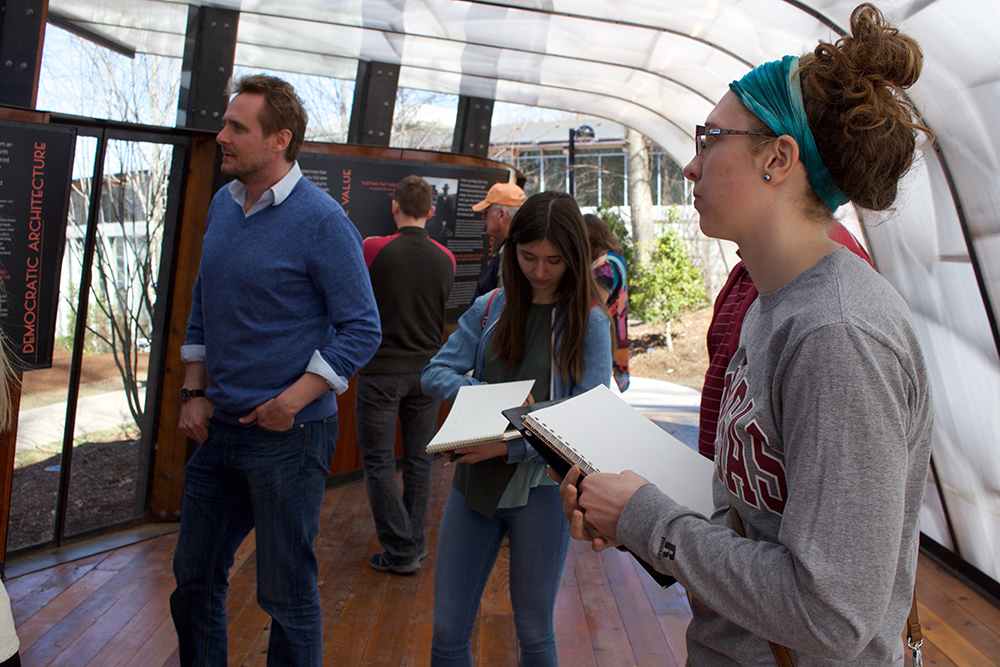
(702, 133)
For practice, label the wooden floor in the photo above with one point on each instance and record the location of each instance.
(110, 609)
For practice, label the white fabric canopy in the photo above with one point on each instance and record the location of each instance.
(659, 66)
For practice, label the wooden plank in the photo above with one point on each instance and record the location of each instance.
(31, 592)
(68, 586)
(159, 650)
(111, 609)
(572, 634)
(242, 587)
(950, 641)
(607, 629)
(79, 620)
(58, 608)
(137, 631)
(497, 641)
(672, 609)
(349, 640)
(421, 630)
(166, 484)
(257, 655)
(339, 580)
(495, 621)
(120, 558)
(645, 635)
(931, 656)
(390, 628)
(930, 572)
(248, 627)
(109, 624)
(936, 592)
(496, 594)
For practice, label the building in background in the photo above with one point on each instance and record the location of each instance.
(540, 151)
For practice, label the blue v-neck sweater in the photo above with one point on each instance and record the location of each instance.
(274, 288)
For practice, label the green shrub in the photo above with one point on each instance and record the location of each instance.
(668, 284)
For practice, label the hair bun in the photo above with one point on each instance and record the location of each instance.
(879, 49)
(854, 93)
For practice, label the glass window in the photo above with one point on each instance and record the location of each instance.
(531, 167)
(612, 179)
(81, 78)
(423, 120)
(588, 180)
(554, 167)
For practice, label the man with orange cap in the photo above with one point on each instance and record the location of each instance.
(500, 205)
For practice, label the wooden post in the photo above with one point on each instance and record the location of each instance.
(172, 445)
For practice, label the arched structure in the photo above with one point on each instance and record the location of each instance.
(659, 66)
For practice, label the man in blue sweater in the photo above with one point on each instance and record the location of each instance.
(283, 315)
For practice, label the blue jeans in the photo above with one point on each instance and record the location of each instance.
(243, 478)
(399, 516)
(468, 544)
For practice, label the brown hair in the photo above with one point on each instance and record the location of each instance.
(553, 216)
(602, 239)
(282, 110)
(413, 195)
(864, 125)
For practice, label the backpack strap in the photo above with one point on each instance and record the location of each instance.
(489, 303)
(781, 653)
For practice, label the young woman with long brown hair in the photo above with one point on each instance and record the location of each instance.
(544, 324)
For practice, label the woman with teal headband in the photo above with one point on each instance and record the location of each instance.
(824, 431)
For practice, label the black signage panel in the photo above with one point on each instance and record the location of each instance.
(364, 187)
(36, 164)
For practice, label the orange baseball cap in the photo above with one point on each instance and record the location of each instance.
(504, 194)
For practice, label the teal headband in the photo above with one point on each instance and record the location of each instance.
(772, 93)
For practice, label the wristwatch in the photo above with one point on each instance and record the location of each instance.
(188, 394)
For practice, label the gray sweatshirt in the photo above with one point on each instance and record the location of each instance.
(823, 444)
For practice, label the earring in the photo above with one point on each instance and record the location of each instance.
(767, 177)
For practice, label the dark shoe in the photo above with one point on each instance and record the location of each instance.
(423, 553)
(383, 563)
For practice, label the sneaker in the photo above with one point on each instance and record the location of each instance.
(383, 563)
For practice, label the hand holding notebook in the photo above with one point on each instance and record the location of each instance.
(476, 416)
(600, 432)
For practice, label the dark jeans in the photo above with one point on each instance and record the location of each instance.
(399, 516)
(243, 478)
(468, 545)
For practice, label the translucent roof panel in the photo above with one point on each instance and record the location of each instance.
(659, 67)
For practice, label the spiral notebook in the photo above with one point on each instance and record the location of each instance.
(600, 432)
(476, 415)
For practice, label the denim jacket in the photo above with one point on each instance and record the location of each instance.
(465, 349)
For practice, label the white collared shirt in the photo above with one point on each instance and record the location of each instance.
(273, 196)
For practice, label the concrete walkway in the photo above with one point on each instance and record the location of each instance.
(47, 424)
(672, 406)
